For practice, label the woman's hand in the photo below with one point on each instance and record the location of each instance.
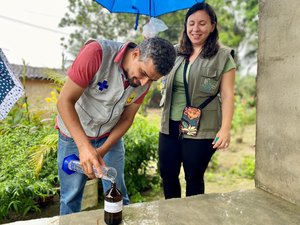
(222, 140)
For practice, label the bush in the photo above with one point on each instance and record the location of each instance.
(245, 103)
(243, 115)
(245, 86)
(141, 144)
(20, 189)
(246, 168)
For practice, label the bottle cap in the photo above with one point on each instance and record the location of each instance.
(66, 163)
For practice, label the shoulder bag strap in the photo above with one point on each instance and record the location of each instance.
(207, 101)
(187, 97)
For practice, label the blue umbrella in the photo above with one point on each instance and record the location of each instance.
(152, 8)
(11, 88)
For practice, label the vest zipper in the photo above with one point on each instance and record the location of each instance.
(110, 113)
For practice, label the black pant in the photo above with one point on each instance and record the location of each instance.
(193, 154)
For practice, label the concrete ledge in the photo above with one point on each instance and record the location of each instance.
(90, 194)
(250, 207)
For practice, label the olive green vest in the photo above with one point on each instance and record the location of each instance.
(204, 81)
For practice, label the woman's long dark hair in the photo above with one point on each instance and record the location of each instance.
(211, 45)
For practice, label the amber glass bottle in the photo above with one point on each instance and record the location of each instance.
(113, 204)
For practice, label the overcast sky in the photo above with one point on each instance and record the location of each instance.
(29, 31)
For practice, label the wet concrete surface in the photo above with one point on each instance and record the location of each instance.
(249, 207)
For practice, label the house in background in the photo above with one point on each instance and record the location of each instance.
(38, 85)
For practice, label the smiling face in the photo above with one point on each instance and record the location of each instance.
(199, 27)
(140, 72)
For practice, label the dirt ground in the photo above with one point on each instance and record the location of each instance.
(232, 157)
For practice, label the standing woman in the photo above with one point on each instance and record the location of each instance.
(209, 69)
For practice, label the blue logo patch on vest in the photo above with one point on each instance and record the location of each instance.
(102, 85)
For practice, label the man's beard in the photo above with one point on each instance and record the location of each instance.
(132, 84)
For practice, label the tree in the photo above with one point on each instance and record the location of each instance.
(91, 20)
(249, 21)
(174, 21)
(237, 24)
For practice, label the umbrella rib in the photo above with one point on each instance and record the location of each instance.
(155, 8)
(112, 5)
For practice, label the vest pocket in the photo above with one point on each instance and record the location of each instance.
(209, 81)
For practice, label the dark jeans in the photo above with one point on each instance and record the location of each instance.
(194, 156)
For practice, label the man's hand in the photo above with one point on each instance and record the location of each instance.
(89, 157)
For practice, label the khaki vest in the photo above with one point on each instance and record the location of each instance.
(203, 81)
(100, 110)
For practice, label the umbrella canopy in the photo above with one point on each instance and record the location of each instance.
(11, 88)
(152, 8)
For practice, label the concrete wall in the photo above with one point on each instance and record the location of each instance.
(278, 105)
(37, 91)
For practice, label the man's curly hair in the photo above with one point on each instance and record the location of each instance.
(160, 51)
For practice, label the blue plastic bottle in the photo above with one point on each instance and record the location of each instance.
(71, 164)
